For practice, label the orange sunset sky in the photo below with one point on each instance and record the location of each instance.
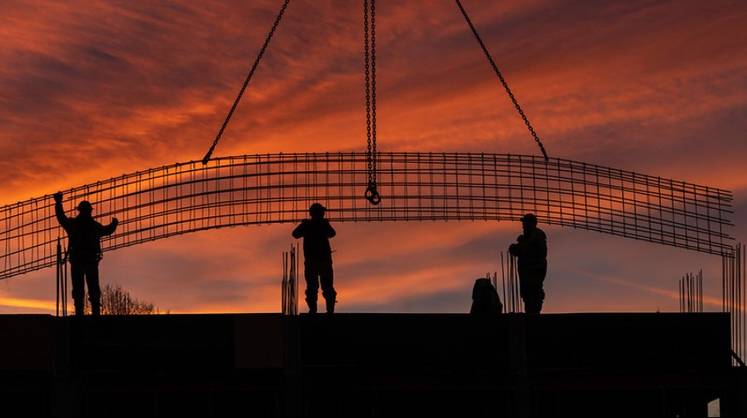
(94, 89)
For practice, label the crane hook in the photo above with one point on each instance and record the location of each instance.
(372, 194)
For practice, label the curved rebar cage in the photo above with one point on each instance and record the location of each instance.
(416, 186)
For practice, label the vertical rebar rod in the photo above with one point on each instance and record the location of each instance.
(739, 304)
(517, 286)
(283, 286)
(295, 281)
(690, 293)
(732, 299)
(514, 308)
(512, 281)
(693, 295)
(691, 286)
(64, 283)
(723, 283)
(517, 306)
(58, 276)
(682, 294)
(696, 293)
(735, 305)
(503, 281)
(735, 300)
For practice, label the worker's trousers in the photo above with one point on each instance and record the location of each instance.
(319, 271)
(85, 272)
(531, 281)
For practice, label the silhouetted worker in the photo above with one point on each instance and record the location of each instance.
(317, 254)
(84, 246)
(485, 299)
(531, 250)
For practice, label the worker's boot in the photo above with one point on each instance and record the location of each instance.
(331, 306)
(312, 306)
(538, 307)
(532, 307)
(79, 308)
(96, 308)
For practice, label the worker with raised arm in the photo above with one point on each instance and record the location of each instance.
(84, 246)
(531, 250)
(317, 254)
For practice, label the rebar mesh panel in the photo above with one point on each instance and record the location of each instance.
(274, 188)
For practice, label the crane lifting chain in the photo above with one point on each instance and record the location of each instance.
(261, 53)
(369, 53)
(502, 80)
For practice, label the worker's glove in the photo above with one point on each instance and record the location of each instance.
(57, 197)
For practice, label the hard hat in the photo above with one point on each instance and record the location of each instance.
(529, 218)
(317, 207)
(85, 206)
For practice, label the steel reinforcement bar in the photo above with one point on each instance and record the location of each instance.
(415, 186)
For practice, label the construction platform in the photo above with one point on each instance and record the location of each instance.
(612, 365)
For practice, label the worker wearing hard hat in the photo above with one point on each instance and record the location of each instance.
(84, 246)
(317, 254)
(531, 250)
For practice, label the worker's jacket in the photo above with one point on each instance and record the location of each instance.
(84, 235)
(531, 249)
(316, 234)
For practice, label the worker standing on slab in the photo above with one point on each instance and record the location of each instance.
(84, 246)
(317, 254)
(531, 251)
